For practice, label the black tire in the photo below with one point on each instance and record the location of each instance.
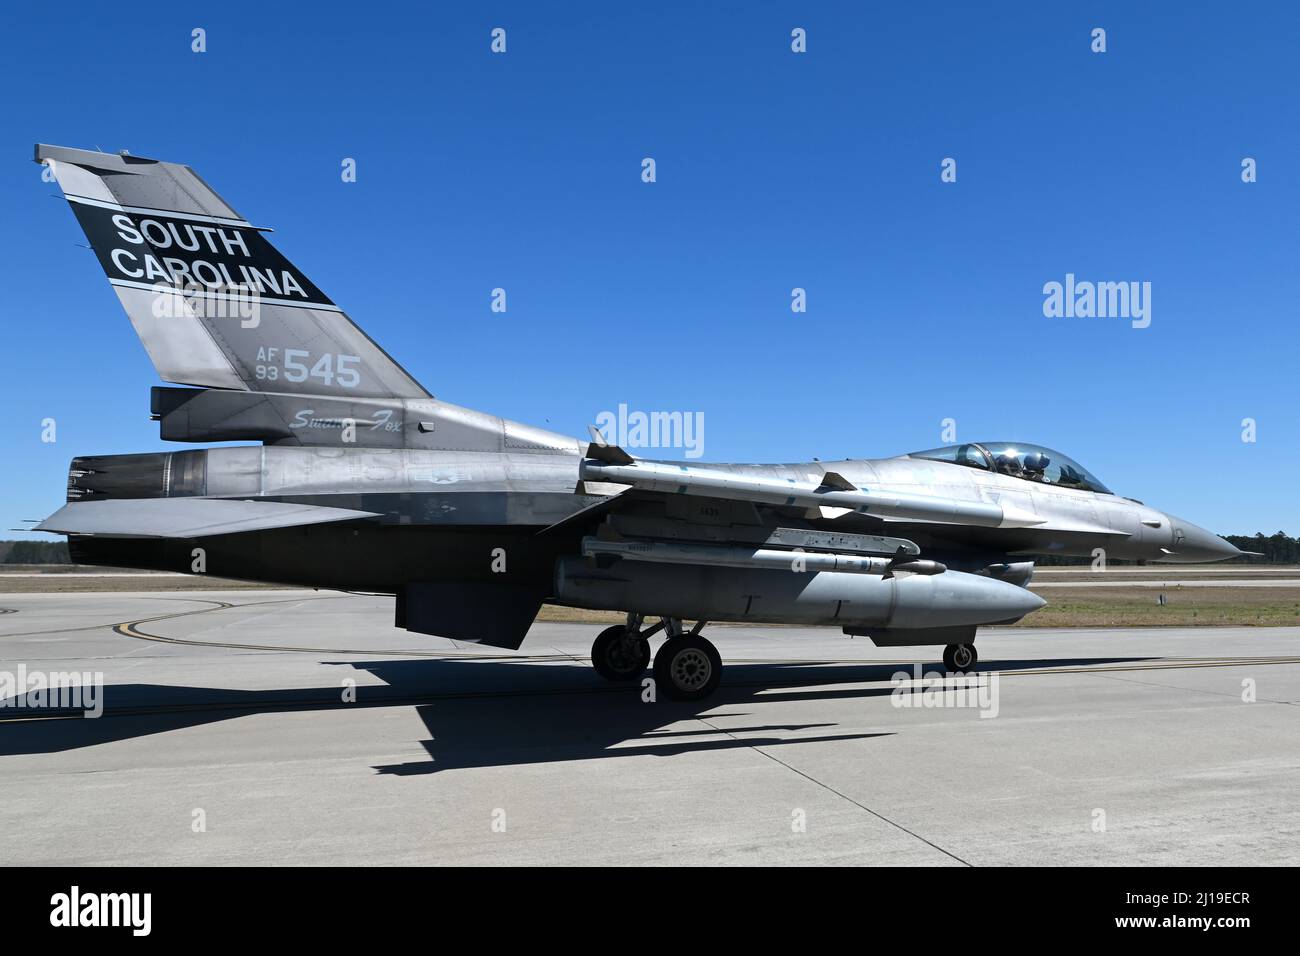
(960, 658)
(611, 658)
(687, 668)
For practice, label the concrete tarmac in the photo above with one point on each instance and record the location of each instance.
(291, 727)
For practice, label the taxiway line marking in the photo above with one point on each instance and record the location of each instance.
(130, 629)
(843, 796)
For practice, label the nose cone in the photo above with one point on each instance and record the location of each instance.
(1192, 544)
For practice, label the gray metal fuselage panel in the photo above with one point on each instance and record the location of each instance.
(536, 487)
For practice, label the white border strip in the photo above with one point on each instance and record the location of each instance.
(169, 213)
(207, 293)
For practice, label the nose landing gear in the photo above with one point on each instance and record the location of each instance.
(687, 666)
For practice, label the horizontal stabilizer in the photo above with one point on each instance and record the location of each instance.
(186, 517)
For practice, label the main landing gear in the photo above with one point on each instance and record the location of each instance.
(687, 667)
(620, 653)
(960, 658)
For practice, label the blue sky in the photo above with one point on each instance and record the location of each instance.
(775, 170)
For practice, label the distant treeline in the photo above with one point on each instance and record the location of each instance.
(1276, 549)
(34, 552)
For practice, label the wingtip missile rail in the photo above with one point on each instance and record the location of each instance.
(829, 492)
(742, 556)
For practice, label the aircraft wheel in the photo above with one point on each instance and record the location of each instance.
(688, 668)
(617, 658)
(960, 658)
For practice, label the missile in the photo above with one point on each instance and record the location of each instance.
(833, 493)
(743, 556)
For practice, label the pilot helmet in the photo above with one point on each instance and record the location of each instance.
(1036, 461)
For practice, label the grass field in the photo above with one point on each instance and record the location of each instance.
(1184, 607)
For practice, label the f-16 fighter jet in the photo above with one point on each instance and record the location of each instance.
(364, 481)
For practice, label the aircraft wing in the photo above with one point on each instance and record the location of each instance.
(186, 517)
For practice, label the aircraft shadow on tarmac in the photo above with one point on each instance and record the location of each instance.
(501, 713)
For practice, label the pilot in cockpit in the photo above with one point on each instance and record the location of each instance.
(1016, 460)
(1031, 467)
(1035, 467)
(1008, 464)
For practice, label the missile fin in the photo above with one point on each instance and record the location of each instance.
(834, 480)
(609, 454)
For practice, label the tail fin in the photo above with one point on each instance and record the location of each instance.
(214, 303)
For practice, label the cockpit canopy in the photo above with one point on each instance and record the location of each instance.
(1019, 460)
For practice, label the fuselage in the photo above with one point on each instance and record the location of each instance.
(443, 512)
